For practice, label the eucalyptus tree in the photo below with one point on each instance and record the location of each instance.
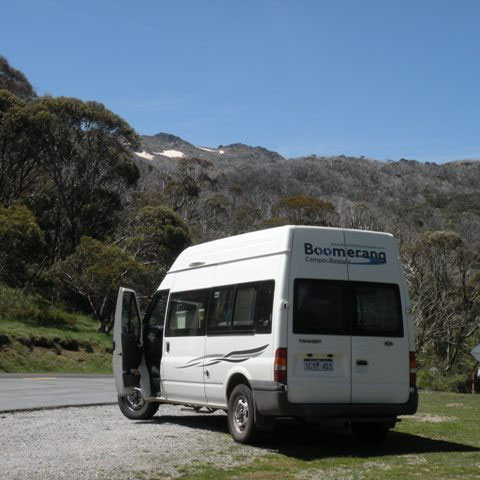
(445, 288)
(19, 172)
(14, 80)
(84, 158)
(94, 272)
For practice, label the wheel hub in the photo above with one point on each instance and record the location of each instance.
(135, 400)
(241, 414)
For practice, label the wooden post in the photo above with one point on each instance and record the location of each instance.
(476, 353)
(474, 376)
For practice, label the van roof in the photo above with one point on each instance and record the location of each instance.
(261, 243)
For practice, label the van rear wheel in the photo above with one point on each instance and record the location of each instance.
(370, 431)
(134, 407)
(241, 408)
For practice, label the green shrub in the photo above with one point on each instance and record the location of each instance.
(21, 244)
(53, 316)
(433, 379)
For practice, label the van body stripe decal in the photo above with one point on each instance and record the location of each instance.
(232, 357)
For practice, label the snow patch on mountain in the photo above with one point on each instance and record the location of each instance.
(213, 150)
(145, 155)
(171, 153)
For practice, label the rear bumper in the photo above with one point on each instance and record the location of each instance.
(271, 400)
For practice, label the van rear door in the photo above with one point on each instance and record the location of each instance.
(319, 351)
(380, 370)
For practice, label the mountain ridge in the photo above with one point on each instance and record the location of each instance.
(160, 142)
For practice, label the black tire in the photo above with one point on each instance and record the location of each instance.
(135, 408)
(241, 409)
(370, 432)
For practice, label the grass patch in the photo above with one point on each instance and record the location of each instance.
(442, 441)
(17, 304)
(36, 337)
(18, 358)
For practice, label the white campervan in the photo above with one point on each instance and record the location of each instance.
(305, 322)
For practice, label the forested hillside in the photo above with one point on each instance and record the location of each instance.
(87, 205)
(257, 186)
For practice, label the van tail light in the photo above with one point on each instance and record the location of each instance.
(280, 366)
(412, 360)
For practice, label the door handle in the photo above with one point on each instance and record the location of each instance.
(362, 363)
(388, 343)
(207, 373)
(167, 346)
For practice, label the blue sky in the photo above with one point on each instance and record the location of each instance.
(381, 78)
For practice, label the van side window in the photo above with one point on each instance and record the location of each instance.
(156, 315)
(221, 309)
(130, 315)
(187, 313)
(263, 321)
(243, 308)
(244, 311)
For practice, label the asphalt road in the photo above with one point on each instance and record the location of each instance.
(31, 391)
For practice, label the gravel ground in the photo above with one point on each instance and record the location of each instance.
(100, 443)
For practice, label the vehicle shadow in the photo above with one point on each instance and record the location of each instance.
(308, 442)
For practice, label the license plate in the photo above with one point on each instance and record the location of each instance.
(318, 364)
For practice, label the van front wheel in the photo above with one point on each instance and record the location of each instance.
(135, 408)
(241, 409)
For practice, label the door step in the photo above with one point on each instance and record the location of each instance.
(200, 410)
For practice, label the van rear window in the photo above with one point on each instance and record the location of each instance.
(378, 311)
(320, 307)
(347, 308)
